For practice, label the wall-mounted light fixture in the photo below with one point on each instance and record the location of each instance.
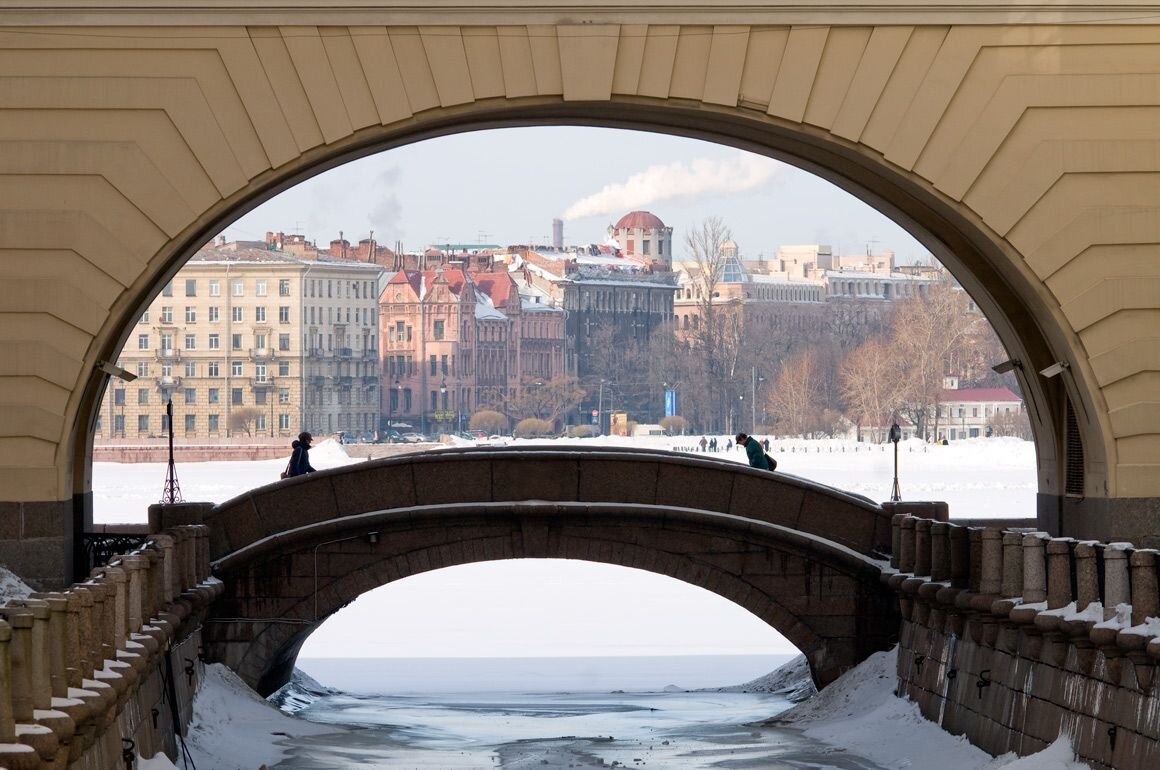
(1055, 369)
(1007, 366)
(115, 371)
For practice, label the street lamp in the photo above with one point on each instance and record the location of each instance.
(754, 379)
(895, 435)
(443, 398)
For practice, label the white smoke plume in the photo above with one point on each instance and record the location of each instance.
(701, 176)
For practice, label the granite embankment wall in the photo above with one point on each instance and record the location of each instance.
(103, 673)
(1014, 638)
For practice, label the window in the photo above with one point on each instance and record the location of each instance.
(645, 246)
(191, 342)
(434, 400)
(438, 329)
(190, 369)
(190, 424)
(215, 342)
(168, 290)
(443, 365)
(212, 369)
(433, 365)
(283, 314)
(399, 329)
(407, 399)
(215, 395)
(283, 368)
(283, 395)
(260, 341)
(190, 314)
(119, 424)
(119, 397)
(144, 318)
(238, 315)
(283, 422)
(166, 314)
(143, 424)
(164, 422)
(260, 420)
(142, 368)
(284, 287)
(215, 288)
(236, 368)
(142, 341)
(167, 344)
(260, 314)
(214, 314)
(260, 399)
(190, 287)
(235, 342)
(190, 396)
(236, 396)
(142, 396)
(237, 288)
(213, 423)
(260, 287)
(283, 342)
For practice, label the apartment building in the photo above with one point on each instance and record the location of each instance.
(251, 342)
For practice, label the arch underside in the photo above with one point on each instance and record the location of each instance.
(1023, 155)
(827, 600)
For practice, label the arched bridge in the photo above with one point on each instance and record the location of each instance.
(799, 555)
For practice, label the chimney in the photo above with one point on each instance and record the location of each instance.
(558, 233)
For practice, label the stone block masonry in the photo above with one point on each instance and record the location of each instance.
(108, 665)
(1015, 638)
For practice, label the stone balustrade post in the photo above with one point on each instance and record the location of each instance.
(1145, 591)
(961, 557)
(1012, 586)
(20, 620)
(1116, 584)
(187, 557)
(73, 664)
(99, 643)
(155, 588)
(7, 715)
(57, 642)
(940, 552)
(134, 566)
(39, 669)
(90, 645)
(896, 539)
(906, 547)
(203, 563)
(1034, 568)
(170, 590)
(1059, 562)
(991, 572)
(103, 588)
(922, 547)
(1087, 578)
(117, 580)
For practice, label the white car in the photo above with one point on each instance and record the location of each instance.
(412, 438)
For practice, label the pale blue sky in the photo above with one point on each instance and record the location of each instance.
(505, 186)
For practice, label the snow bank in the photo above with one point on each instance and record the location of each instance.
(860, 713)
(12, 587)
(234, 728)
(793, 681)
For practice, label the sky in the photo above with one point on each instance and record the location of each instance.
(505, 186)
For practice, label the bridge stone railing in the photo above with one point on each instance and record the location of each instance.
(93, 676)
(1016, 637)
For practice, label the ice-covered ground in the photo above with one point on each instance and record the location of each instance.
(978, 477)
(232, 729)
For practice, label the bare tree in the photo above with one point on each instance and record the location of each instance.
(705, 246)
(793, 399)
(242, 420)
(871, 385)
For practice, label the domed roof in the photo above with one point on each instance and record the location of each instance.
(645, 219)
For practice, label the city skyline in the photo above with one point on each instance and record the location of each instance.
(505, 186)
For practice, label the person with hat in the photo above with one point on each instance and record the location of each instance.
(300, 459)
(753, 451)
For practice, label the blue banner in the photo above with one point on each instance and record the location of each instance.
(670, 403)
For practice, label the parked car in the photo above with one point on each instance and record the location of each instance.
(412, 438)
(390, 437)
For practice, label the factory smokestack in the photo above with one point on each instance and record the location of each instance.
(558, 233)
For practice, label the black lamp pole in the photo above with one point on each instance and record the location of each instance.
(895, 436)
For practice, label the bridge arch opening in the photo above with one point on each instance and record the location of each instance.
(1063, 411)
(545, 608)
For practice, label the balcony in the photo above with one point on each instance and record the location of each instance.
(345, 352)
(370, 354)
(370, 380)
(261, 354)
(260, 383)
(168, 381)
(318, 353)
(168, 354)
(344, 381)
(316, 381)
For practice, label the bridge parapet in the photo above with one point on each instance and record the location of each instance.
(80, 678)
(577, 474)
(1013, 637)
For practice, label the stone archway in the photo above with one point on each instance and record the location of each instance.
(1018, 152)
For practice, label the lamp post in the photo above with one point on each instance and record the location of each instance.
(753, 396)
(600, 410)
(895, 435)
(443, 398)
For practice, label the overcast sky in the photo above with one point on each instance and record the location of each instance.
(505, 186)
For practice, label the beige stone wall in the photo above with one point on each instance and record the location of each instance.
(1016, 142)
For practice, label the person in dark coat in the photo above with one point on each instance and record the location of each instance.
(300, 459)
(754, 451)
